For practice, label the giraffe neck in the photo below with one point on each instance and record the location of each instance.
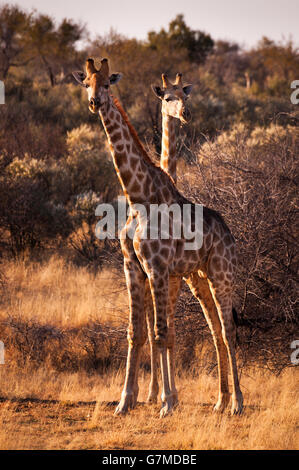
(168, 150)
(135, 171)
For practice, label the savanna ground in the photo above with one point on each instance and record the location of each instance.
(45, 404)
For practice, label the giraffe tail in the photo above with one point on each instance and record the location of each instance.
(237, 323)
(235, 316)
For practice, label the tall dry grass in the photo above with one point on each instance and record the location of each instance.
(62, 294)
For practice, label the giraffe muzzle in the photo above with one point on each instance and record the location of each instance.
(94, 104)
(186, 116)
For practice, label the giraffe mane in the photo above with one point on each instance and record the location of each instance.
(134, 134)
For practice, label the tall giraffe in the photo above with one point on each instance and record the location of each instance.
(174, 110)
(209, 270)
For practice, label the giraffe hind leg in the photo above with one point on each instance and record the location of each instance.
(149, 309)
(200, 288)
(223, 300)
(174, 290)
(136, 337)
(159, 284)
(174, 287)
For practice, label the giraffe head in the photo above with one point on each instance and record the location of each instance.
(97, 83)
(174, 97)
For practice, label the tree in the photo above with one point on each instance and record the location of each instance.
(54, 46)
(273, 66)
(14, 27)
(180, 36)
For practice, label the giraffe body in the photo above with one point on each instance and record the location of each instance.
(162, 262)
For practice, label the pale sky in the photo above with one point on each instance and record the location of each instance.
(243, 21)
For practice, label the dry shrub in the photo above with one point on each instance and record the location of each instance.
(90, 347)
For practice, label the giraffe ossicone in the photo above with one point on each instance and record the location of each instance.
(208, 270)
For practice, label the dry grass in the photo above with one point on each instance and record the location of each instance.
(62, 294)
(74, 411)
(42, 408)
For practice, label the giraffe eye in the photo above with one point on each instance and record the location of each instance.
(168, 99)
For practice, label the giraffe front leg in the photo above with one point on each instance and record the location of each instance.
(159, 289)
(136, 335)
(149, 308)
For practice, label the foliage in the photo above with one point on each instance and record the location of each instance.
(179, 36)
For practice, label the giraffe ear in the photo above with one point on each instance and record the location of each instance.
(158, 91)
(114, 78)
(187, 89)
(79, 77)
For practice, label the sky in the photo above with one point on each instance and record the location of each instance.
(243, 21)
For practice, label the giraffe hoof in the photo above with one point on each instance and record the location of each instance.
(124, 405)
(165, 411)
(237, 406)
(222, 403)
(167, 407)
(151, 399)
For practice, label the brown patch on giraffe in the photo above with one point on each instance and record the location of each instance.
(216, 263)
(126, 134)
(121, 158)
(227, 240)
(135, 188)
(126, 177)
(133, 163)
(119, 147)
(164, 252)
(111, 128)
(161, 283)
(140, 176)
(116, 137)
(111, 115)
(220, 276)
(157, 263)
(155, 246)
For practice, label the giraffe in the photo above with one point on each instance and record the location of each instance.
(173, 97)
(208, 270)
